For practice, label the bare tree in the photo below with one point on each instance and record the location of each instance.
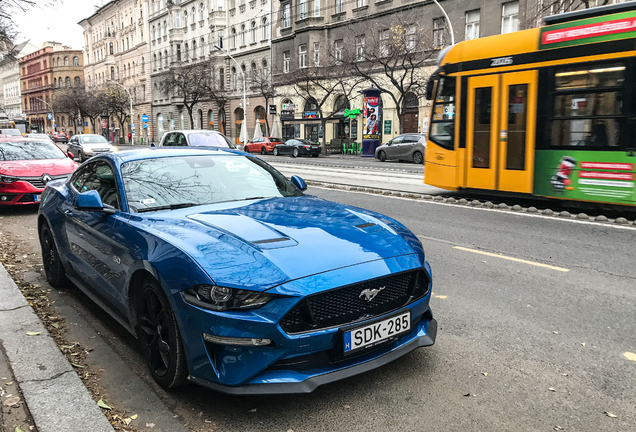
(116, 101)
(262, 85)
(77, 101)
(189, 84)
(545, 8)
(9, 9)
(396, 59)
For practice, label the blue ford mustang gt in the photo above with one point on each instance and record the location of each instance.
(230, 276)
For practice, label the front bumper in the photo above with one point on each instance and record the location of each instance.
(424, 337)
(19, 193)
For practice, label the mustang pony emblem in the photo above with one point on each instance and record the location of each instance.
(369, 294)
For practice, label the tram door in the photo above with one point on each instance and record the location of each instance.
(500, 131)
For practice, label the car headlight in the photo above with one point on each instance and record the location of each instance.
(8, 179)
(87, 150)
(113, 148)
(222, 298)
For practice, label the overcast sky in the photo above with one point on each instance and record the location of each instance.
(55, 23)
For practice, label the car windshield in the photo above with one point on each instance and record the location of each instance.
(29, 150)
(11, 132)
(92, 139)
(39, 136)
(181, 181)
(209, 140)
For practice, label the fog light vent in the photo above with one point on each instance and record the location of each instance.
(236, 341)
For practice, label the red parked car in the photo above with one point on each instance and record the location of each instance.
(262, 145)
(60, 137)
(27, 165)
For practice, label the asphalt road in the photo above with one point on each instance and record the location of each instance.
(531, 337)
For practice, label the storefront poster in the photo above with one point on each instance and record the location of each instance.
(387, 127)
(296, 131)
(585, 175)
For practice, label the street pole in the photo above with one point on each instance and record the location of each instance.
(52, 112)
(244, 99)
(450, 26)
(132, 135)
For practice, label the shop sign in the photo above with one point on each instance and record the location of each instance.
(311, 115)
(272, 109)
(387, 127)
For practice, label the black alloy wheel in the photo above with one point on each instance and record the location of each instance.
(295, 152)
(263, 150)
(382, 156)
(275, 151)
(418, 158)
(246, 149)
(53, 268)
(159, 336)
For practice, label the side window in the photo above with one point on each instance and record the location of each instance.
(443, 121)
(397, 140)
(181, 140)
(80, 176)
(102, 179)
(170, 140)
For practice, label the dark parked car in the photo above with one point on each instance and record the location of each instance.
(406, 147)
(297, 147)
(230, 276)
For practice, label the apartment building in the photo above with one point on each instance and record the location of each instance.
(117, 53)
(10, 96)
(42, 73)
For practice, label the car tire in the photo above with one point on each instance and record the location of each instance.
(275, 151)
(159, 336)
(263, 151)
(246, 149)
(418, 158)
(295, 152)
(382, 156)
(53, 268)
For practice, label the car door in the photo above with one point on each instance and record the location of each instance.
(99, 256)
(406, 147)
(393, 149)
(73, 145)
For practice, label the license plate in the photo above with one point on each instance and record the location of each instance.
(377, 332)
(36, 198)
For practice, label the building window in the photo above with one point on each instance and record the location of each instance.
(78, 82)
(286, 58)
(222, 78)
(302, 9)
(360, 48)
(254, 32)
(472, 25)
(243, 35)
(384, 42)
(154, 61)
(316, 8)
(360, 3)
(186, 52)
(202, 48)
(185, 18)
(439, 32)
(65, 61)
(233, 78)
(178, 52)
(165, 28)
(339, 6)
(110, 47)
(75, 62)
(220, 43)
(194, 49)
(143, 65)
(411, 38)
(177, 19)
(201, 12)
(233, 38)
(286, 16)
(510, 17)
(337, 49)
(316, 53)
(265, 28)
(302, 56)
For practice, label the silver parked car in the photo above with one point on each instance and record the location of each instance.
(195, 138)
(88, 145)
(410, 147)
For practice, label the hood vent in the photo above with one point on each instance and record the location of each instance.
(272, 240)
(365, 225)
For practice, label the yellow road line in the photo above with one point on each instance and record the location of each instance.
(561, 269)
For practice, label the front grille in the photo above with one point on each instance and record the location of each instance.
(27, 197)
(347, 304)
(37, 181)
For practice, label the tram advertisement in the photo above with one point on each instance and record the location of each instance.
(586, 175)
(372, 117)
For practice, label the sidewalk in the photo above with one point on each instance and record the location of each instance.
(54, 395)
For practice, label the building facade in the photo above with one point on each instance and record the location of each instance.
(10, 100)
(42, 73)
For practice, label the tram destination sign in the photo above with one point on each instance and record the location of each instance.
(589, 30)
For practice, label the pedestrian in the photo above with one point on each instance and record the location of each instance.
(129, 136)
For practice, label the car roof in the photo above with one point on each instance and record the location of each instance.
(7, 138)
(161, 152)
(190, 131)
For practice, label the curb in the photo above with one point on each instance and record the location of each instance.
(54, 394)
(582, 217)
(366, 168)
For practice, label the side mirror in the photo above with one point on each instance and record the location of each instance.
(70, 155)
(389, 143)
(153, 145)
(299, 183)
(91, 201)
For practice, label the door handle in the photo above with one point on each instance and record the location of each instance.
(68, 212)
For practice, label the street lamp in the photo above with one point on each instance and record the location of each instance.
(52, 112)
(132, 135)
(450, 26)
(244, 99)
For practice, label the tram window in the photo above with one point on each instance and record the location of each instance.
(588, 109)
(443, 121)
(482, 128)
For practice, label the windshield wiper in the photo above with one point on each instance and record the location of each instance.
(167, 207)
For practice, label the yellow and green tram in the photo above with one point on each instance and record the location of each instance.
(549, 111)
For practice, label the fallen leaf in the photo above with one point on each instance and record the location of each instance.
(134, 416)
(150, 425)
(126, 421)
(484, 373)
(10, 401)
(609, 414)
(10, 382)
(558, 428)
(18, 430)
(564, 374)
(467, 394)
(583, 344)
(102, 404)
(552, 389)
(252, 410)
(347, 406)
(555, 332)
(440, 296)
(30, 333)
(55, 325)
(630, 356)
(77, 366)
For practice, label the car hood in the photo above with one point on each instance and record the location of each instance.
(96, 145)
(35, 168)
(269, 242)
